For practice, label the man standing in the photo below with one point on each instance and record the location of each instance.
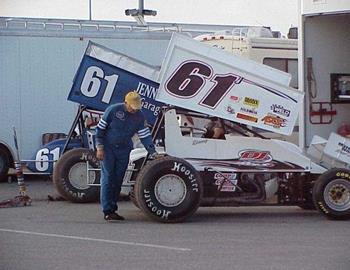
(113, 142)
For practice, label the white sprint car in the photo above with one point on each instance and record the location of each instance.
(245, 168)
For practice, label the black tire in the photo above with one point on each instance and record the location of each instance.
(133, 198)
(181, 186)
(4, 164)
(69, 176)
(307, 206)
(331, 194)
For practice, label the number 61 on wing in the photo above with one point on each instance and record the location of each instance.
(208, 80)
(104, 77)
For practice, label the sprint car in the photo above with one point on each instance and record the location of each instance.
(244, 169)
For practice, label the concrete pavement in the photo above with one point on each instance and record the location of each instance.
(62, 235)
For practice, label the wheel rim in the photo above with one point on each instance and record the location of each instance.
(337, 195)
(170, 190)
(78, 176)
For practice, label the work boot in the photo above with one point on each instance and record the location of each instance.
(113, 216)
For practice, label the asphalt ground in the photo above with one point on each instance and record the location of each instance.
(51, 235)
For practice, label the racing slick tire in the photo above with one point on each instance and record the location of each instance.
(70, 176)
(133, 198)
(331, 194)
(307, 206)
(4, 163)
(168, 189)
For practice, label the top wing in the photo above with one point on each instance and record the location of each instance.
(208, 80)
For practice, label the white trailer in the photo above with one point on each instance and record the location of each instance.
(324, 67)
(39, 60)
(324, 76)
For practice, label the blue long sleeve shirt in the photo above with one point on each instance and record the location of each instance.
(117, 126)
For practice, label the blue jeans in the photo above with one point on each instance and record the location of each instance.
(114, 165)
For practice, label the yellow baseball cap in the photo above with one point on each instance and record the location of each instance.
(133, 99)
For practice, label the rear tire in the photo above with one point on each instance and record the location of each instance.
(331, 194)
(307, 206)
(168, 189)
(70, 176)
(4, 164)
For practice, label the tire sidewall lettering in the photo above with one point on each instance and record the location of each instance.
(322, 207)
(91, 157)
(155, 207)
(185, 172)
(147, 188)
(343, 175)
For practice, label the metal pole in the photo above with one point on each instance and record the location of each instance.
(90, 10)
(141, 6)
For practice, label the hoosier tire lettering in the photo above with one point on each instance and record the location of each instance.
(168, 189)
(179, 167)
(161, 213)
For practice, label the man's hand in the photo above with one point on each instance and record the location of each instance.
(100, 154)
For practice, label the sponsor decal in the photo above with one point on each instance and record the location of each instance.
(247, 117)
(227, 181)
(274, 121)
(195, 142)
(247, 159)
(279, 109)
(249, 110)
(345, 149)
(255, 156)
(151, 107)
(235, 99)
(150, 92)
(230, 110)
(251, 102)
(147, 90)
(120, 115)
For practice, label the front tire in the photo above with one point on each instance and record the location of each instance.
(331, 194)
(168, 190)
(133, 199)
(70, 176)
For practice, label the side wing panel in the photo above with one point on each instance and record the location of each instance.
(105, 76)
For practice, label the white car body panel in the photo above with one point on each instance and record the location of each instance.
(228, 153)
(227, 86)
